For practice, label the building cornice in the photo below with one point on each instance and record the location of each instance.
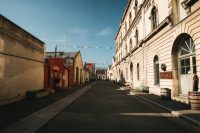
(122, 19)
(19, 30)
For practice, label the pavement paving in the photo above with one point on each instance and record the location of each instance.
(176, 108)
(108, 108)
(104, 107)
(32, 116)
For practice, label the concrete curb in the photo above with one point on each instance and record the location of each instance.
(35, 121)
(174, 113)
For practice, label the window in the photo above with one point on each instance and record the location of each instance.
(130, 44)
(120, 38)
(126, 73)
(154, 19)
(136, 37)
(187, 56)
(190, 2)
(136, 7)
(156, 71)
(187, 46)
(126, 50)
(130, 19)
(138, 71)
(185, 66)
(125, 27)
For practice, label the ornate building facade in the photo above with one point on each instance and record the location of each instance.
(158, 45)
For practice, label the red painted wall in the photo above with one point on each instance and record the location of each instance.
(52, 65)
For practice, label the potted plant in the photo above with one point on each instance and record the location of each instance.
(56, 80)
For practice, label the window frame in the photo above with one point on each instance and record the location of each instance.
(154, 18)
(136, 7)
(136, 37)
(138, 72)
(156, 66)
(130, 19)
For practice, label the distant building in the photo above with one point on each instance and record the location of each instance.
(73, 61)
(90, 67)
(101, 73)
(86, 75)
(110, 72)
(157, 45)
(56, 74)
(21, 62)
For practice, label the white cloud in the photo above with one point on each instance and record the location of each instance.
(105, 32)
(79, 30)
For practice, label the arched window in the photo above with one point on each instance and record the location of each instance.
(131, 72)
(187, 56)
(136, 37)
(130, 44)
(154, 18)
(126, 50)
(120, 38)
(136, 6)
(130, 19)
(119, 74)
(156, 71)
(187, 47)
(125, 27)
(126, 73)
(77, 75)
(138, 71)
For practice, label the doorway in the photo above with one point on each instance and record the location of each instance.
(183, 64)
(187, 65)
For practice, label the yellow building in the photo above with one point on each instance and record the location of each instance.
(74, 62)
(21, 62)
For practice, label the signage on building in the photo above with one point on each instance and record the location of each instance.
(56, 68)
(166, 75)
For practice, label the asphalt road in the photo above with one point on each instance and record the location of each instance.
(105, 108)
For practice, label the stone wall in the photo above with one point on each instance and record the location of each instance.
(21, 62)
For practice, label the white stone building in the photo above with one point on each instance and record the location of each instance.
(155, 33)
(109, 73)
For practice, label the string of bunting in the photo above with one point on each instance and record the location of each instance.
(87, 47)
(101, 63)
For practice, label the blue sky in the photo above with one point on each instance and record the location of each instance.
(86, 25)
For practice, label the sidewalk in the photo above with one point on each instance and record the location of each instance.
(176, 108)
(14, 112)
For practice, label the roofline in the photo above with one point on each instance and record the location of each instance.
(80, 56)
(122, 19)
(9, 21)
(77, 54)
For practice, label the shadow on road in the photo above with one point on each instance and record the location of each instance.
(107, 108)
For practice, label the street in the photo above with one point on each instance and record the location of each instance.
(100, 66)
(106, 108)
